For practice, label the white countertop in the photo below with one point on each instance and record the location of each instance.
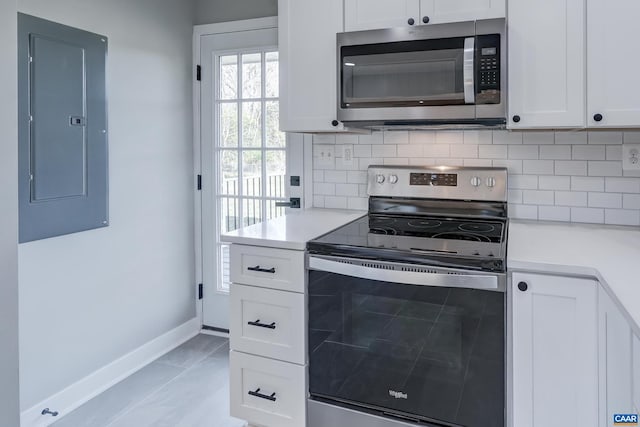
(293, 230)
(607, 253)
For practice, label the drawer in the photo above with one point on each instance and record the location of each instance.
(267, 392)
(268, 267)
(268, 323)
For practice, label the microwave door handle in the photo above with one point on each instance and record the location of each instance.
(466, 281)
(469, 70)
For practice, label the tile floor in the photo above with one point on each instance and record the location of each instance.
(187, 387)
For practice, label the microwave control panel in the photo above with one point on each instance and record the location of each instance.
(488, 66)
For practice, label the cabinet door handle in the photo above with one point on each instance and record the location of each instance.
(411, 21)
(523, 286)
(257, 393)
(262, 325)
(425, 19)
(598, 117)
(262, 270)
(516, 119)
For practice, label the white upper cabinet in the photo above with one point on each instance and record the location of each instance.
(613, 63)
(461, 10)
(555, 361)
(372, 14)
(547, 64)
(308, 72)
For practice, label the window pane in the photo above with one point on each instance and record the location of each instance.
(251, 124)
(229, 168)
(252, 211)
(229, 125)
(229, 77)
(276, 170)
(252, 173)
(252, 75)
(225, 280)
(272, 73)
(275, 138)
(229, 216)
(273, 211)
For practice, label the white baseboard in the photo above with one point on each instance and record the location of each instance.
(87, 388)
(215, 333)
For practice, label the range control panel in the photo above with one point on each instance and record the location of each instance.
(440, 182)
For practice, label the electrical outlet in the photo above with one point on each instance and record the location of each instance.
(631, 157)
(324, 155)
(347, 155)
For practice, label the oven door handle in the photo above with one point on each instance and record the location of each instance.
(469, 68)
(466, 281)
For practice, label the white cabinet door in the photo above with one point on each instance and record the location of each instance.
(615, 355)
(547, 64)
(308, 84)
(555, 365)
(439, 11)
(613, 62)
(372, 14)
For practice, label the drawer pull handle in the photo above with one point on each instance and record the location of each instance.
(262, 270)
(262, 325)
(263, 396)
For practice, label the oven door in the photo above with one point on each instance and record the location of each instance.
(405, 341)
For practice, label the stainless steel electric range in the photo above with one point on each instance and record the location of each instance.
(407, 304)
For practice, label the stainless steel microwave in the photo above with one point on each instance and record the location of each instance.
(442, 74)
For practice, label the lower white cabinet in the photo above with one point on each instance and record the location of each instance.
(267, 392)
(268, 323)
(555, 351)
(616, 361)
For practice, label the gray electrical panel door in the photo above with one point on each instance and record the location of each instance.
(62, 129)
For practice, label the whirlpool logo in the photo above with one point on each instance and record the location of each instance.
(625, 419)
(398, 394)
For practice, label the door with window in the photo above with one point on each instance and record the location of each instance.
(244, 154)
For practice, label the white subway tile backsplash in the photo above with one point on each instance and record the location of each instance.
(554, 213)
(590, 215)
(622, 217)
(622, 185)
(584, 183)
(557, 183)
(571, 138)
(335, 202)
(598, 137)
(538, 167)
(492, 151)
(555, 152)
(571, 167)
(605, 200)
(466, 151)
(523, 152)
(571, 198)
(562, 176)
(605, 168)
(449, 137)
(384, 151)
(362, 150)
(347, 190)
(503, 137)
(523, 182)
(588, 152)
(538, 138)
(538, 197)
(396, 137)
(410, 150)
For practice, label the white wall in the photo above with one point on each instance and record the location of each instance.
(9, 394)
(563, 176)
(212, 11)
(89, 298)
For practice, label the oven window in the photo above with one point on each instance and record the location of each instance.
(403, 74)
(425, 353)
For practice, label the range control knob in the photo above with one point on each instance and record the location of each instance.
(393, 179)
(380, 179)
(476, 181)
(491, 182)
